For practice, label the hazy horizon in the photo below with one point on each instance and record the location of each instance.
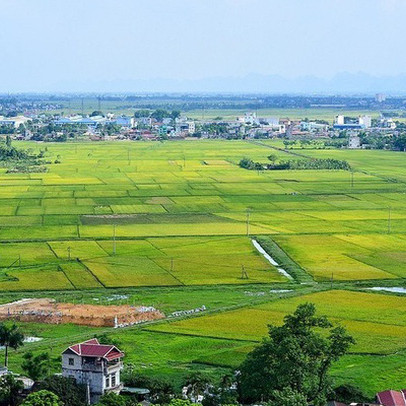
(273, 46)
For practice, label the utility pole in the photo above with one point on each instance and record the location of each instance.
(171, 264)
(69, 254)
(19, 260)
(248, 222)
(244, 274)
(114, 239)
(389, 220)
(352, 178)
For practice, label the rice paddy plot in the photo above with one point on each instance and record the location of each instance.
(327, 257)
(376, 321)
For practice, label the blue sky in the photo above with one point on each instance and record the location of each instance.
(58, 44)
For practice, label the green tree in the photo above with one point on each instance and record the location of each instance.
(42, 398)
(10, 337)
(10, 390)
(8, 141)
(180, 402)
(296, 356)
(175, 114)
(141, 113)
(66, 388)
(35, 366)
(400, 142)
(161, 390)
(160, 114)
(222, 395)
(112, 399)
(96, 113)
(287, 397)
(348, 393)
(273, 158)
(197, 384)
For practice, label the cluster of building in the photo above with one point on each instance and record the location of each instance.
(96, 121)
(131, 127)
(248, 125)
(13, 122)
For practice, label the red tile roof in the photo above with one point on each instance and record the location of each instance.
(92, 348)
(391, 398)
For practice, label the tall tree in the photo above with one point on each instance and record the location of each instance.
(10, 337)
(35, 366)
(294, 361)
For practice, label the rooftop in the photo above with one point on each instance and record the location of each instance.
(92, 348)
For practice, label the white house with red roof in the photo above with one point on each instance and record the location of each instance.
(95, 365)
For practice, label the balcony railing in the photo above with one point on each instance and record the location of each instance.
(114, 366)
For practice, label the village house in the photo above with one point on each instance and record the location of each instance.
(95, 365)
(354, 142)
(392, 397)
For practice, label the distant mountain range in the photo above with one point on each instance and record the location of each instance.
(342, 83)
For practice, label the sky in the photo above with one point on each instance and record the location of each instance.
(52, 45)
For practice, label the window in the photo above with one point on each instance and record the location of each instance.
(71, 361)
(107, 381)
(113, 380)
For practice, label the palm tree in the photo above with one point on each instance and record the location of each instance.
(10, 337)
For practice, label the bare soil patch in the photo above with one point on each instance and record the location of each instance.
(49, 311)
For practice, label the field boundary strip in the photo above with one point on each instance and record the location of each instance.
(67, 277)
(91, 273)
(168, 272)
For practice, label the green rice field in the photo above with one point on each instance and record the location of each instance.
(171, 224)
(148, 199)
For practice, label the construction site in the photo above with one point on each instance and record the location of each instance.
(52, 312)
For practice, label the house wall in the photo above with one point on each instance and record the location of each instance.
(95, 378)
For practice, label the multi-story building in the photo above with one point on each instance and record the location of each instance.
(339, 120)
(95, 365)
(365, 121)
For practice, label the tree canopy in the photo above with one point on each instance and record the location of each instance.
(35, 366)
(294, 361)
(42, 398)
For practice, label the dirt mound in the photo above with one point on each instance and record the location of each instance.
(49, 311)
